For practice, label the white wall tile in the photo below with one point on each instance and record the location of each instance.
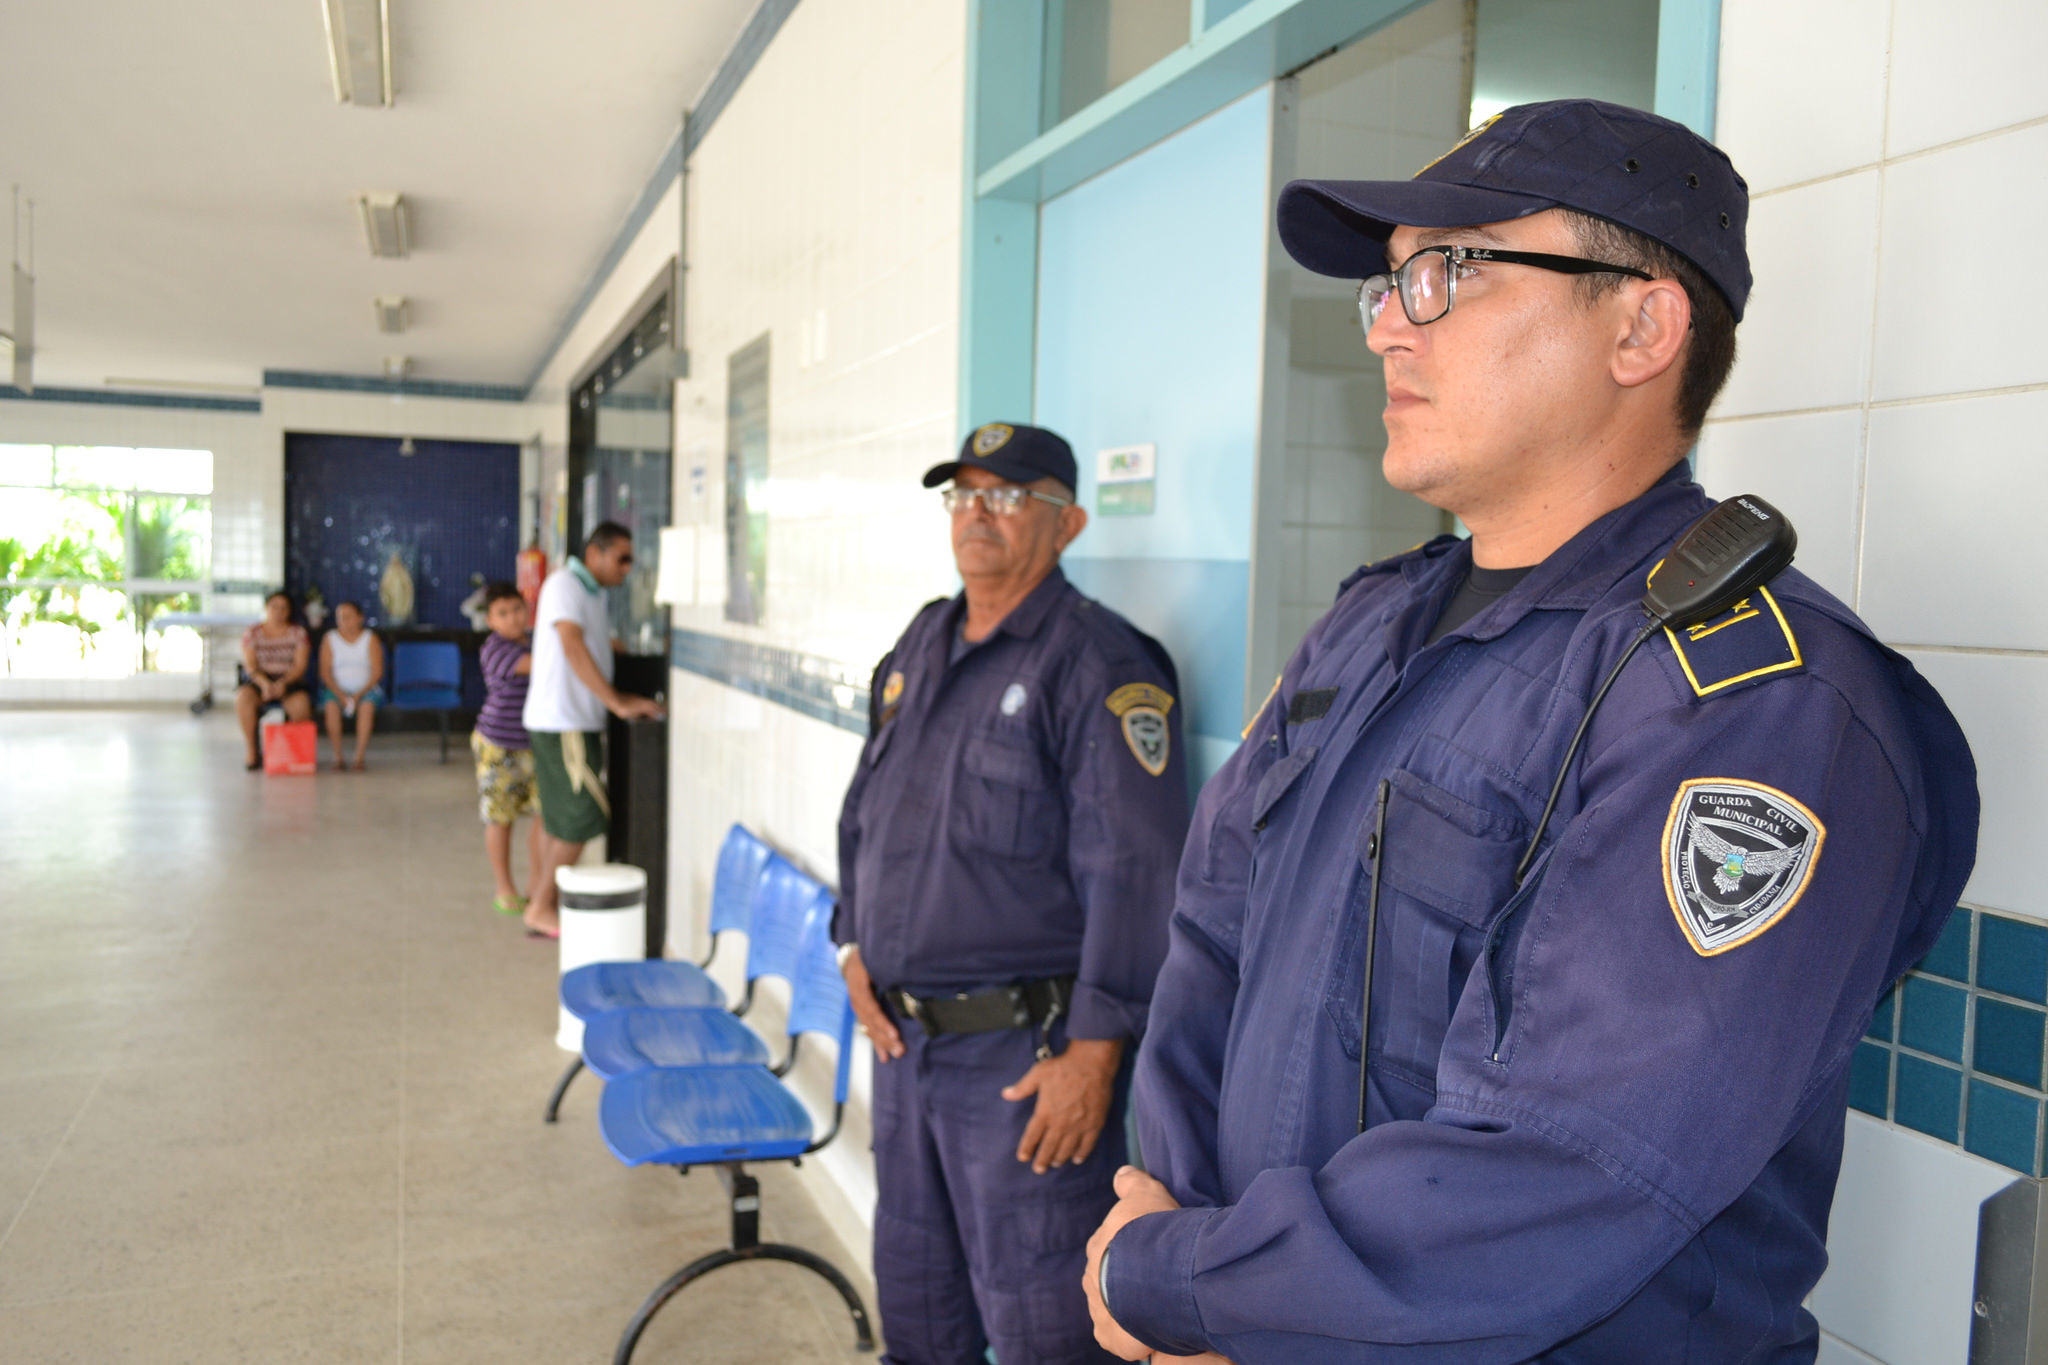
(1804, 340)
(1801, 89)
(1953, 317)
(1997, 699)
(1963, 67)
(1835, 1351)
(1899, 1281)
(1806, 467)
(1953, 527)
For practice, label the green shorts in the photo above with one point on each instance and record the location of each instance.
(573, 804)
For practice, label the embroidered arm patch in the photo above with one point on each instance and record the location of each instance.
(1737, 857)
(1142, 708)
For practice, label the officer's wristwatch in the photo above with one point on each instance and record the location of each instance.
(845, 950)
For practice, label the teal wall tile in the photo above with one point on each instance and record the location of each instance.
(1950, 956)
(1887, 1013)
(2012, 957)
(1930, 1097)
(1931, 1017)
(2007, 1042)
(2002, 1126)
(1870, 1079)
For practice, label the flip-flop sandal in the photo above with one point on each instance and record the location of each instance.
(509, 905)
(543, 933)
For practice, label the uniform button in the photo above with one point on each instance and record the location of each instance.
(1372, 845)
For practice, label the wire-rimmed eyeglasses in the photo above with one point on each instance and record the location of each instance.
(1004, 500)
(1428, 280)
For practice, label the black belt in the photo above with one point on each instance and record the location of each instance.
(1027, 1004)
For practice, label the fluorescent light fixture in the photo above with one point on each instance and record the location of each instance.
(387, 222)
(359, 50)
(397, 366)
(390, 312)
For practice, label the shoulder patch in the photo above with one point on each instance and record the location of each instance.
(1132, 695)
(1737, 857)
(1752, 639)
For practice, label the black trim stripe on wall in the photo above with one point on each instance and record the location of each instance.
(806, 683)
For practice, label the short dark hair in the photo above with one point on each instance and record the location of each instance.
(273, 595)
(498, 591)
(351, 602)
(1710, 350)
(605, 535)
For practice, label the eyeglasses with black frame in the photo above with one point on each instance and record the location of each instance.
(1428, 280)
(1004, 500)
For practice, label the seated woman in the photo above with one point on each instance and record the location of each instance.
(351, 667)
(275, 652)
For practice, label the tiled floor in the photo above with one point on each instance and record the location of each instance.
(271, 1075)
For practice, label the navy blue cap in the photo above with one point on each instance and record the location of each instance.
(1646, 173)
(1013, 451)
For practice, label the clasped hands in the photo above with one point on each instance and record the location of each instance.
(1137, 1194)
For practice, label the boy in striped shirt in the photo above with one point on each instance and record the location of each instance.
(505, 784)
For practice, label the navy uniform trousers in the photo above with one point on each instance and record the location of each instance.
(971, 1248)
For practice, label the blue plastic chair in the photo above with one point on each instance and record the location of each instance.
(636, 1038)
(426, 675)
(752, 887)
(729, 1115)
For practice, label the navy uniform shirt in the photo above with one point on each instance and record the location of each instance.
(1019, 811)
(1606, 1111)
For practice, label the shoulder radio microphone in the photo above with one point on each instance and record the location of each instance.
(1723, 557)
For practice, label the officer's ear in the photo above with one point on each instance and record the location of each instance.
(1073, 521)
(1652, 333)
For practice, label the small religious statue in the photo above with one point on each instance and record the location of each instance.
(395, 591)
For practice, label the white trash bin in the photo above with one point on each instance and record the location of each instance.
(604, 919)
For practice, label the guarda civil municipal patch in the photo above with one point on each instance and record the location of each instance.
(1142, 709)
(1737, 857)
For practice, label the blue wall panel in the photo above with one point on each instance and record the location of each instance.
(450, 510)
(1150, 328)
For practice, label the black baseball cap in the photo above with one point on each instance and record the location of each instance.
(1013, 451)
(1646, 173)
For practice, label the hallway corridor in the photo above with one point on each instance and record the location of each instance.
(271, 1074)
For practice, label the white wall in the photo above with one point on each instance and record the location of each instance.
(248, 480)
(1892, 397)
(824, 209)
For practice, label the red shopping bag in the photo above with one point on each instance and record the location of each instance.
(290, 748)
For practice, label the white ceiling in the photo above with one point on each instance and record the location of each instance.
(194, 177)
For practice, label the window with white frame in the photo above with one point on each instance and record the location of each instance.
(97, 543)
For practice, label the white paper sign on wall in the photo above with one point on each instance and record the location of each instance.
(1124, 478)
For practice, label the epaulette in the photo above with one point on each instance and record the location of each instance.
(1752, 639)
(1380, 566)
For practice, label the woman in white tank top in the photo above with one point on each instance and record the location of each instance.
(351, 666)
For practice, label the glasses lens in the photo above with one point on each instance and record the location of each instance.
(1372, 299)
(1425, 287)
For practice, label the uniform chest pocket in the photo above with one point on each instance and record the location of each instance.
(1008, 800)
(1446, 866)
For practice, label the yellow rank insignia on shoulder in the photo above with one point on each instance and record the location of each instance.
(1142, 709)
(1751, 639)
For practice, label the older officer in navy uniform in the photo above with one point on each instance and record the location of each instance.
(1605, 1103)
(1006, 863)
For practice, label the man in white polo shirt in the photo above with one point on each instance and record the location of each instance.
(566, 701)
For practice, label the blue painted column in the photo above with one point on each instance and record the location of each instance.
(1688, 62)
(1150, 330)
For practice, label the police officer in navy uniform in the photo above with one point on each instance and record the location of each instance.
(1604, 1112)
(1006, 859)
